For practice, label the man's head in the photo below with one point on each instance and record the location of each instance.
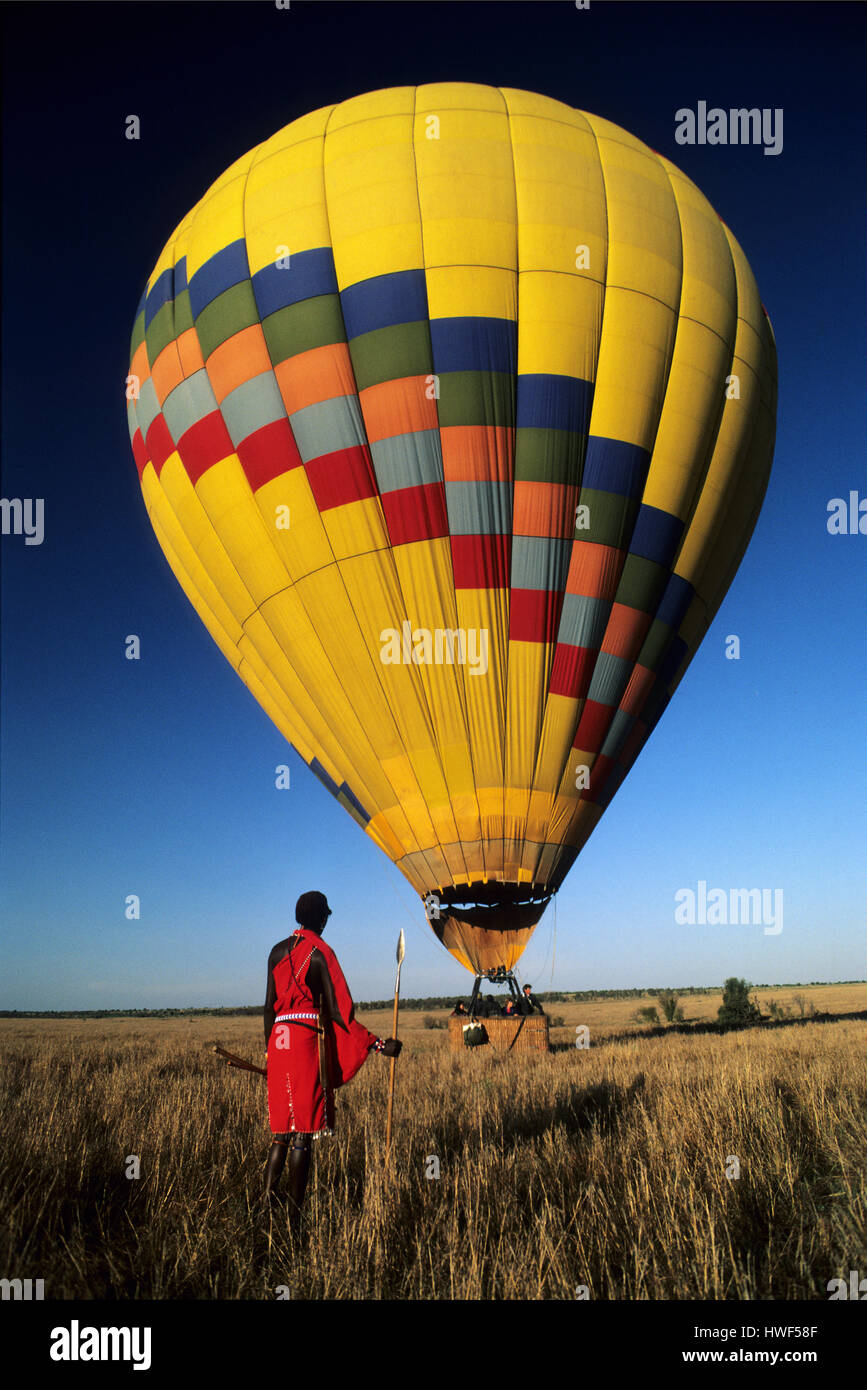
(312, 911)
(528, 989)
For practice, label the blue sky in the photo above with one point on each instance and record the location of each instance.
(157, 777)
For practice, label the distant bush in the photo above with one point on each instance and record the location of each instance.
(430, 1022)
(737, 1006)
(668, 1002)
(647, 1015)
(556, 1021)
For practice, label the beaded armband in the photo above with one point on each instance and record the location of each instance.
(377, 1045)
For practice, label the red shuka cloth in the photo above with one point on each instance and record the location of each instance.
(304, 1066)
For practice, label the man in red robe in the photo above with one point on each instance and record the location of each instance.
(314, 1043)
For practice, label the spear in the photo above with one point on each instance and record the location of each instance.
(401, 951)
(238, 1062)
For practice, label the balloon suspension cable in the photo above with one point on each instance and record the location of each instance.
(426, 935)
(551, 947)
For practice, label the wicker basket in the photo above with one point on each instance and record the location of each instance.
(523, 1034)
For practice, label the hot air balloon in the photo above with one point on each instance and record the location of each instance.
(453, 409)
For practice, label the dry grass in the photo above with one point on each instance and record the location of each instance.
(603, 1167)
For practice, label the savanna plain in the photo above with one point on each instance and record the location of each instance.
(605, 1171)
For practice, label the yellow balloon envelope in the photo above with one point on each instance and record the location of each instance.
(455, 412)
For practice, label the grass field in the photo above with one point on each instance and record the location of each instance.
(603, 1168)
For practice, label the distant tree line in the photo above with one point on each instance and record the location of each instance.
(734, 1000)
(229, 1012)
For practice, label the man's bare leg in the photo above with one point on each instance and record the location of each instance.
(299, 1171)
(275, 1164)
